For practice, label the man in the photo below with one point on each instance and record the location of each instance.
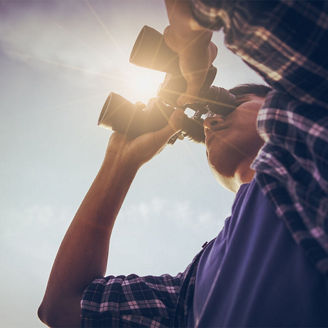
(253, 273)
(232, 143)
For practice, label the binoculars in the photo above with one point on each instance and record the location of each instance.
(150, 51)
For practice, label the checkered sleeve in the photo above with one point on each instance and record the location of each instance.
(284, 41)
(292, 169)
(131, 301)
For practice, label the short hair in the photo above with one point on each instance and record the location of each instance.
(259, 90)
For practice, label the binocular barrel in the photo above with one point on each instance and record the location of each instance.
(151, 51)
(132, 120)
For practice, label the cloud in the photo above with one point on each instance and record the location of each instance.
(176, 214)
(158, 236)
(146, 237)
(29, 241)
(33, 234)
(75, 40)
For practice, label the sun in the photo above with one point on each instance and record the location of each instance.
(143, 83)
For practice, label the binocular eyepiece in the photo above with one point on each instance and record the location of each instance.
(150, 51)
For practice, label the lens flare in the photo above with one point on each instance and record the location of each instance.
(142, 84)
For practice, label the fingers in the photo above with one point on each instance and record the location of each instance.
(196, 54)
(194, 68)
(143, 148)
(174, 124)
(170, 38)
(191, 94)
(213, 52)
(195, 75)
(161, 137)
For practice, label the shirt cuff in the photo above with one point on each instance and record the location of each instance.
(210, 15)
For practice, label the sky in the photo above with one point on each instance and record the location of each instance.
(59, 60)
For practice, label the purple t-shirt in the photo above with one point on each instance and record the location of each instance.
(254, 274)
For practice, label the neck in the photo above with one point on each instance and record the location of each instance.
(243, 174)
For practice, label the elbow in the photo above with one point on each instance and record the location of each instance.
(60, 313)
(44, 315)
(48, 316)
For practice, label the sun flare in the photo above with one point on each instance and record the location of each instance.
(143, 83)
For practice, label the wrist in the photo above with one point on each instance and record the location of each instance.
(185, 42)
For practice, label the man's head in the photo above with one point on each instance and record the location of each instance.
(232, 142)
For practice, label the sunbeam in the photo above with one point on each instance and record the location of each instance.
(77, 101)
(103, 56)
(142, 84)
(52, 62)
(107, 32)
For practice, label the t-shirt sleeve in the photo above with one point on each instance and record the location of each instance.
(131, 301)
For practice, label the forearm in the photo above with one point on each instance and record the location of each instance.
(83, 253)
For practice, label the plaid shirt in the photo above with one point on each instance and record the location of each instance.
(285, 42)
(132, 301)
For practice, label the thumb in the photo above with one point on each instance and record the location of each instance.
(188, 97)
(195, 81)
(162, 136)
(174, 125)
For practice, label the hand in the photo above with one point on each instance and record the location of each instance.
(133, 153)
(194, 65)
(193, 45)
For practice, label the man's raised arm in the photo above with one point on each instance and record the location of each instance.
(82, 255)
